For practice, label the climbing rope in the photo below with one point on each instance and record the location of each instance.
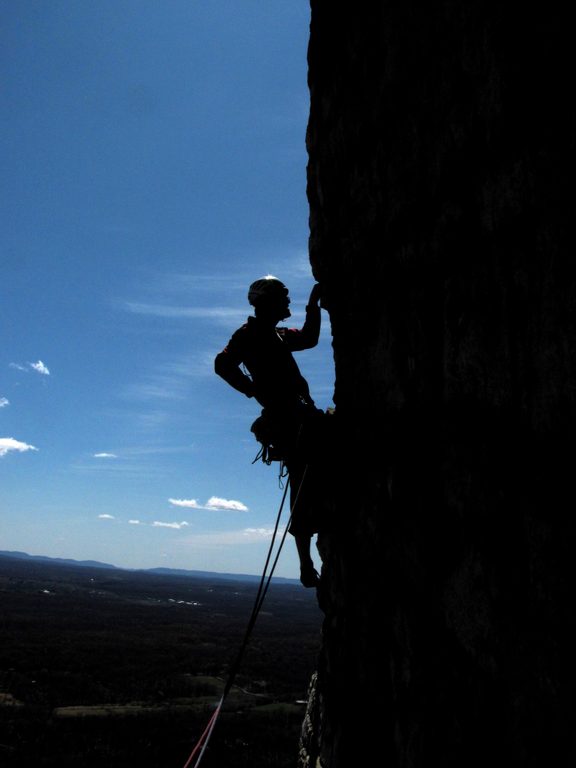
(200, 747)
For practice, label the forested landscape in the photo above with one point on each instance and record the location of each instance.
(105, 667)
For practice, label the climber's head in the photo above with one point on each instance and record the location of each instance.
(269, 297)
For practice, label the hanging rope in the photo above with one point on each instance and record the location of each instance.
(198, 751)
(202, 742)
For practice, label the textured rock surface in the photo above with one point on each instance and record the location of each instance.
(441, 146)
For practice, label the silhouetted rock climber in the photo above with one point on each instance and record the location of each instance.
(289, 421)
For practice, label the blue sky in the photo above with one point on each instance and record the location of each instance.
(154, 164)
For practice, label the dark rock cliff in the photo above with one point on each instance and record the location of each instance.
(440, 180)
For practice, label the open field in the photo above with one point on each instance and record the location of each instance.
(103, 667)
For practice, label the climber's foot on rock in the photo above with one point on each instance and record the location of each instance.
(309, 576)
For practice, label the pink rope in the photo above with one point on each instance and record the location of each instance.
(204, 738)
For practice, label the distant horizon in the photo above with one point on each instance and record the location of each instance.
(20, 555)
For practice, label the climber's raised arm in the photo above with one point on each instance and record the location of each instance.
(307, 337)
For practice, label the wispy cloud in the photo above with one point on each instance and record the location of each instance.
(106, 517)
(10, 444)
(223, 539)
(157, 387)
(138, 451)
(171, 380)
(183, 312)
(200, 364)
(152, 420)
(211, 539)
(296, 266)
(214, 503)
(286, 262)
(119, 468)
(188, 283)
(261, 533)
(129, 461)
(39, 367)
(4, 402)
(177, 526)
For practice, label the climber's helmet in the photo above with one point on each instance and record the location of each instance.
(268, 290)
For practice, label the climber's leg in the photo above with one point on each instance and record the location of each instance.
(302, 525)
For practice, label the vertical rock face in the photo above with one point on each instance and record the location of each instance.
(440, 180)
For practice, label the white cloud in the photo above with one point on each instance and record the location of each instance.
(214, 503)
(189, 503)
(10, 444)
(228, 504)
(106, 517)
(134, 522)
(104, 456)
(157, 524)
(4, 402)
(40, 368)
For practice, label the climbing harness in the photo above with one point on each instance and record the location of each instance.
(268, 433)
(281, 436)
(200, 747)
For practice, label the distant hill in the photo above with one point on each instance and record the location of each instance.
(215, 575)
(160, 571)
(57, 560)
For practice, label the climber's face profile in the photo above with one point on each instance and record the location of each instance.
(270, 298)
(280, 303)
